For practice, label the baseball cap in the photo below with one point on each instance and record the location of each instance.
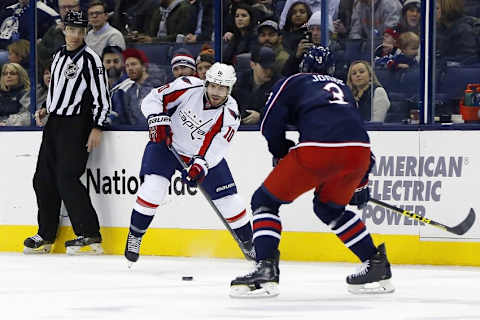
(264, 56)
(268, 23)
(76, 19)
(183, 57)
(412, 3)
(393, 32)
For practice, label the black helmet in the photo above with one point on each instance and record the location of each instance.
(76, 19)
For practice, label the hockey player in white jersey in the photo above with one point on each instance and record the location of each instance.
(199, 119)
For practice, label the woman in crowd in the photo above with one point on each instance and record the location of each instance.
(243, 37)
(457, 38)
(14, 96)
(297, 16)
(19, 52)
(411, 17)
(363, 82)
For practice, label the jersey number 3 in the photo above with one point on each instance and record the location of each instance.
(337, 93)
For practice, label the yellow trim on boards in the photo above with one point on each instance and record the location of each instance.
(299, 246)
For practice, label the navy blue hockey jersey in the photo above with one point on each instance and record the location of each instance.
(321, 107)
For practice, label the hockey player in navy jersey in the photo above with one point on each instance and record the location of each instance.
(332, 157)
(199, 119)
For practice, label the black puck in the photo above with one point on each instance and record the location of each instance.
(187, 278)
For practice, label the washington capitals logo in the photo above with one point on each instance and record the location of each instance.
(71, 71)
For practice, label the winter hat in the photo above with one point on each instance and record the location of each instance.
(393, 32)
(183, 57)
(135, 53)
(206, 54)
(315, 19)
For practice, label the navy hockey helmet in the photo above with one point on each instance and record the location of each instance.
(318, 60)
(76, 19)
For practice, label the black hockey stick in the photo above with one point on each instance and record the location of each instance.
(214, 207)
(459, 229)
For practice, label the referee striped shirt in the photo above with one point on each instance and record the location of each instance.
(78, 81)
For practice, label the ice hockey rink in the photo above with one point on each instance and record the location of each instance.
(102, 287)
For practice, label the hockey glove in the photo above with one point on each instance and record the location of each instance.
(159, 128)
(196, 173)
(285, 147)
(362, 192)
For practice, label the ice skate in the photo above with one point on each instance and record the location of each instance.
(84, 245)
(373, 275)
(260, 283)
(36, 245)
(249, 250)
(132, 249)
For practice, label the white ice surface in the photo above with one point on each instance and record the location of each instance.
(102, 287)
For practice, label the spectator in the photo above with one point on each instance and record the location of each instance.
(132, 17)
(102, 33)
(293, 31)
(14, 96)
(43, 85)
(341, 26)
(168, 21)
(253, 87)
(243, 37)
(315, 6)
(54, 38)
(229, 12)
(457, 37)
(269, 36)
(363, 81)
(112, 60)
(408, 43)
(410, 20)
(19, 52)
(388, 49)
(203, 29)
(183, 64)
(128, 95)
(386, 15)
(16, 22)
(205, 59)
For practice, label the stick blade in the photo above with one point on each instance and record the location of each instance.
(465, 225)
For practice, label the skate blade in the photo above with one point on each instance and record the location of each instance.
(380, 287)
(46, 248)
(267, 290)
(92, 249)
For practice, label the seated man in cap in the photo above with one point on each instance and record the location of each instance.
(269, 36)
(183, 64)
(253, 86)
(128, 94)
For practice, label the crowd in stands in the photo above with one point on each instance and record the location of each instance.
(147, 43)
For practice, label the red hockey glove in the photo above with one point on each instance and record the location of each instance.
(159, 128)
(197, 172)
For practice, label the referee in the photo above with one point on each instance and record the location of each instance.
(78, 104)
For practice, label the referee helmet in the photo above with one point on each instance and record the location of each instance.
(76, 19)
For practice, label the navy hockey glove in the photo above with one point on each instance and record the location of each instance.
(285, 148)
(159, 128)
(362, 192)
(196, 173)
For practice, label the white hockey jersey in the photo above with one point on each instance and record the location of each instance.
(198, 129)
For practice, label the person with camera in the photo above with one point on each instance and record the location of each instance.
(311, 37)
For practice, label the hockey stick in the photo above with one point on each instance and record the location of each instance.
(214, 207)
(459, 229)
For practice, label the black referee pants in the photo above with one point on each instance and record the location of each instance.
(61, 162)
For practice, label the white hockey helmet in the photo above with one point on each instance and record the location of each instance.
(221, 74)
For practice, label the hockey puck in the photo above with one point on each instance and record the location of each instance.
(187, 278)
